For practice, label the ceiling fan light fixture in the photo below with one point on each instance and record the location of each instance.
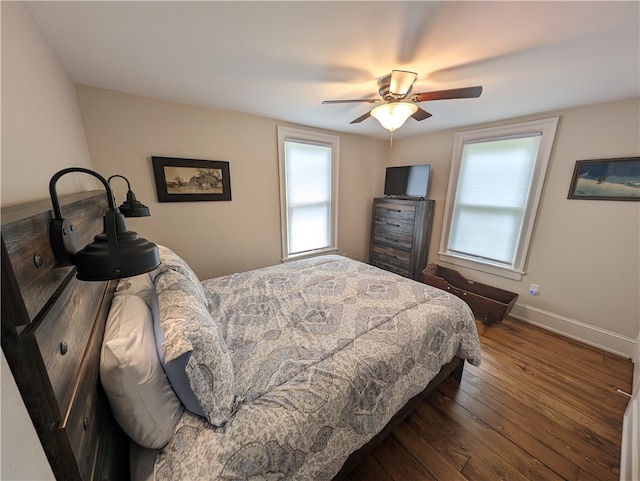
(393, 115)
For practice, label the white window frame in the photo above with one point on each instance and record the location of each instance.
(314, 138)
(546, 128)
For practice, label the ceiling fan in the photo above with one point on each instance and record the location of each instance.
(397, 105)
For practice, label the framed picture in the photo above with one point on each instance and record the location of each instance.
(606, 179)
(191, 180)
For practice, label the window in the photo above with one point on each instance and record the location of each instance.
(308, 192)
(494, 188)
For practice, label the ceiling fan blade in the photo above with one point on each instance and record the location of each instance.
(361, 118)
(421, 114)
(401, 82)
(371, 101)
(461, 93)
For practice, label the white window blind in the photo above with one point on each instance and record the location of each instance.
(495, 186)
(308, 191)
(308, 184)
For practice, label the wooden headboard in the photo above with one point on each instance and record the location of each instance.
(52, 330)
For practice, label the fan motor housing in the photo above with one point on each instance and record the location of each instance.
(385, 83)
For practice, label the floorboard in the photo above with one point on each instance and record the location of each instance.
(539, 407)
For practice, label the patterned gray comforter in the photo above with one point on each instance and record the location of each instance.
(324, 352)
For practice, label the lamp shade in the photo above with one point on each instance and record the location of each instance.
(392, 115)
(131, 207)
(116, 253)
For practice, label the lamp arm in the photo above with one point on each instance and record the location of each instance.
(54, 196)
(122, 177)
(64, 241)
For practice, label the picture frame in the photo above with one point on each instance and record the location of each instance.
(191, 180)
(606, 179)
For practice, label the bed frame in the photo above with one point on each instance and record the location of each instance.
(52, 330)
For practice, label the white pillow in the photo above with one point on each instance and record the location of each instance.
(141, 286)
(139, 393)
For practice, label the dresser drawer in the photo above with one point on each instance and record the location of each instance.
(390, 264)
(393, 206)
(395, 210)
(394, 222)
(391, 259)
(385, 238)
(63, 335)
(83, 426)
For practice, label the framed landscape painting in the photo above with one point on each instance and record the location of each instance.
(189, 180)
(606, 179)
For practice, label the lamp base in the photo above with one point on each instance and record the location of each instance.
(64, 241)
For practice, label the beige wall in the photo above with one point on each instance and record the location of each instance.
(216, 238)
(41, 125)
(585, 255)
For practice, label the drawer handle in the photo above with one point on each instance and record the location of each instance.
(38, 261)
(64, 348)
(85, 423)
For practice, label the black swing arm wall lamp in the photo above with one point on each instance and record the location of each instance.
(131, 207)
(116, 253)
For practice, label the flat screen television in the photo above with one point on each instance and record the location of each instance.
(407, 181)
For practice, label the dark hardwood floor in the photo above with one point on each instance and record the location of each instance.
(540, 407)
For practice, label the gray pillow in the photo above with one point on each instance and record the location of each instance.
(193, 347)
(171, 260)
(175, 369)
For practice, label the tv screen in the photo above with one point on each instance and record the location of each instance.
(407, 181)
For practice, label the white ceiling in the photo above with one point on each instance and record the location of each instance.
(281, 59)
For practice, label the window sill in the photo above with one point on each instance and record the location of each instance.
(314, 253)
(487, 268)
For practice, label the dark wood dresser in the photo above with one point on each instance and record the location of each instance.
(400, 234)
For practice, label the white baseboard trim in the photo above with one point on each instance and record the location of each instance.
(594, 336)
(629, 460)
(629, 463)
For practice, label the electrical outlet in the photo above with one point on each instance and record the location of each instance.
(534, 289)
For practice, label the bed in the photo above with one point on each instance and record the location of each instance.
(289, 372)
